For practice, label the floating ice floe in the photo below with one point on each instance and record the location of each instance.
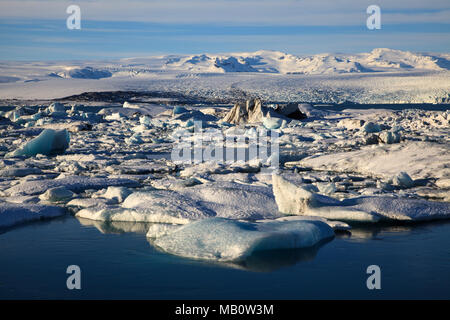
(48, 142)
(13, 213)
(231, 240)
(72, 183)
(220, 199)
(299, 200)
(160, 206)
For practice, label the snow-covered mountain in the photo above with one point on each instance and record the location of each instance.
(271, 62)
(381, 76)
(278, 62)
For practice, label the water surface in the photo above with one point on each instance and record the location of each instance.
(414, 262)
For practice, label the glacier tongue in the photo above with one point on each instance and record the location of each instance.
(222, 239)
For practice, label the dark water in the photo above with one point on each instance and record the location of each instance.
(414, 262)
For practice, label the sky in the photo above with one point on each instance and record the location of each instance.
(36, 29)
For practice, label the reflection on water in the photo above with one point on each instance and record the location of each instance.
(364, 233)
(115, 227)
(262, 261)
(122, 265)
(361, 232)
(271, 260)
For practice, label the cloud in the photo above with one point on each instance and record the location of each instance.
(250, 12)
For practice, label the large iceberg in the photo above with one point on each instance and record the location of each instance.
(225, 199)
(222, 239)
(48, 142)
(300, 200)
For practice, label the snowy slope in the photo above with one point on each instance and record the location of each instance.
(380, 76)
(279, 62)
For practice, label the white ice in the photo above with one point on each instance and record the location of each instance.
(15, 213)
(299, 200)
(221, 239)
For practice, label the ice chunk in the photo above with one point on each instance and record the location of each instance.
(19, 172)
(326, 188)
(160, 206)
(351, 124)
(227, 200)
(58, 194)
(402, 179)
(273, 123)
(13, 213)
(114, 117)
(134, 139)
(73, 183)
(126, 104)
(235, 200)
(56, 108)
(48, 142)
(117, 193)
(178, 110)
(297, 200)
(230, 240)
(389, 137)
(371, 127)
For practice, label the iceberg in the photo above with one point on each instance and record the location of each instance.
(226, 200)
(220, 239)
(49, 142)
(159, 206)
(299, 200)
(72, 183)
(13, 213)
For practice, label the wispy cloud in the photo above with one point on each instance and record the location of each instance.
(243, 12)
(35, 30)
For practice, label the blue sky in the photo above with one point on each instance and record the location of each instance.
(36, 30)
